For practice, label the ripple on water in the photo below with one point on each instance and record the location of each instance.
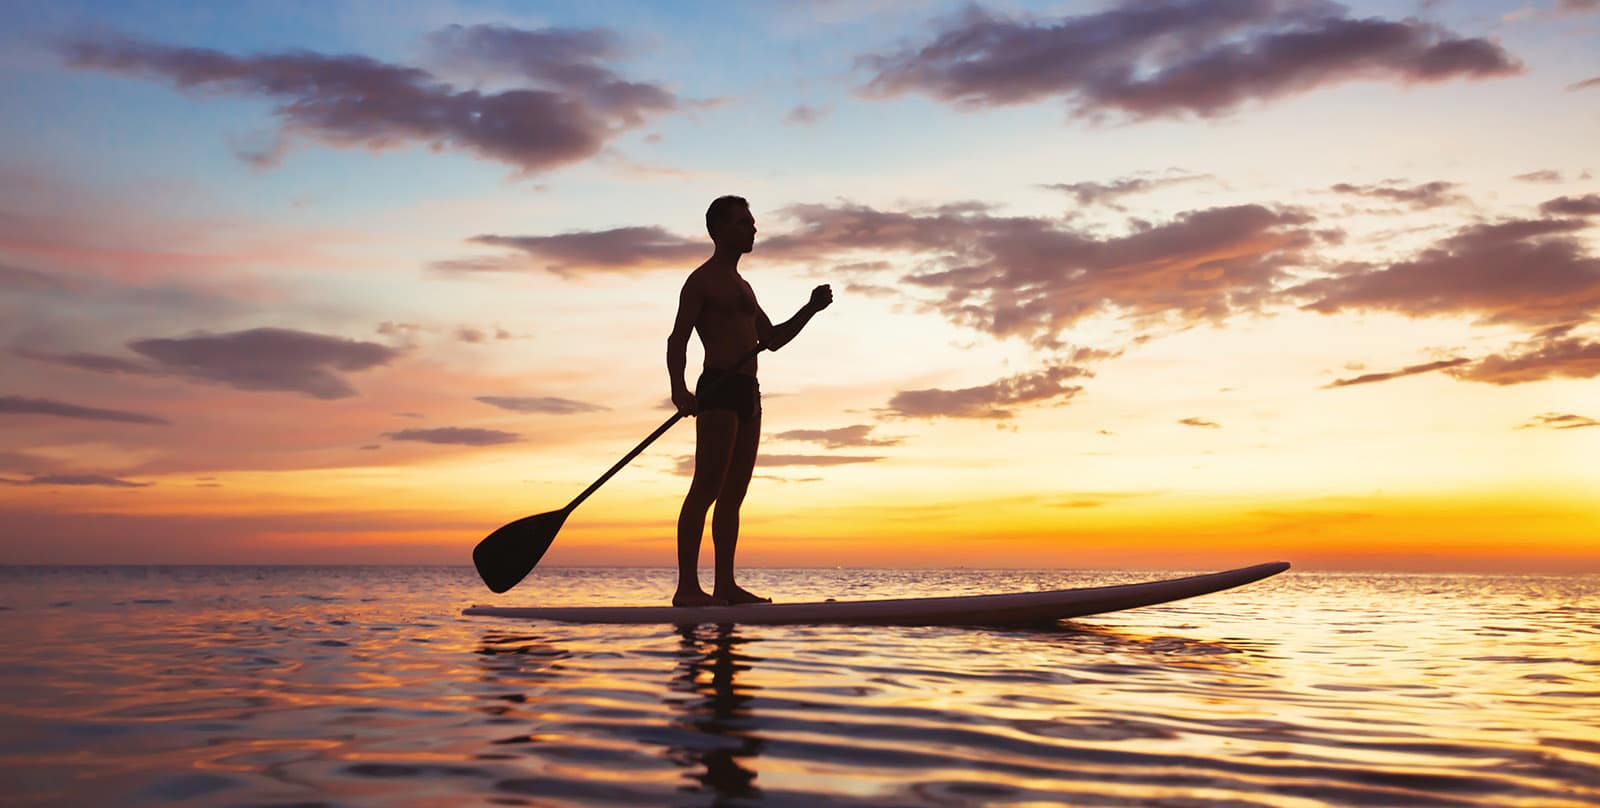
(254, 687)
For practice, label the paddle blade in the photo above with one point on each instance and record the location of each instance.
(510, 553)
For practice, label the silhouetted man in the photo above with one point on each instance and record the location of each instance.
(718, 304)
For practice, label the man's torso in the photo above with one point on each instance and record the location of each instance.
(727, 322)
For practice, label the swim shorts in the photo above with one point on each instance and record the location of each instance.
(725, 390)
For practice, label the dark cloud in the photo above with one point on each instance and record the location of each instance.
(456, 436)
(1557, 420)
(574, 107)
(99, 363)
(996, 400)
(268, 359)
(684, 465)
(83, 479)
(1526, 271)
(1418, 197)
(1544, 359)
(1166, 58)
(1200, 422)
(620, 249)
(1587, 205)
(1409, 370)
(1584, 85)
(805, 114)
(1034, 277)
(28, 279)
(1544, 175)
(1578, 6)
(548, 405)
(1107, 193)
(472, 335)
(18, 405)
(842, 438)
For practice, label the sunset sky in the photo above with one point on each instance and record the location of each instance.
(1167, 284)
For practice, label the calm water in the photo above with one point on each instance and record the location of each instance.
(266, 686)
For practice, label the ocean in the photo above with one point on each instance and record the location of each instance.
(364, 686)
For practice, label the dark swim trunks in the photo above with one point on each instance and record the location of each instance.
(725, 390)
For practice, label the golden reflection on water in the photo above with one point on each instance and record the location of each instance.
(223, 692)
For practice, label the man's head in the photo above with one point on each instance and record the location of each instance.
(731, 224)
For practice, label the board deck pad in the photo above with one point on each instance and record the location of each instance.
(1010, 608)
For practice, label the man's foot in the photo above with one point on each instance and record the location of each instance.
(696, 598)
(737, 595)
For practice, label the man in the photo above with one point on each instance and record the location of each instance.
(726, 402)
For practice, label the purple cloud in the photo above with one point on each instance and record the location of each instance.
(18, 405)
(847, 437)
(456, 436)
(548, 405)
(1527, 271)
(1417, 197)
(354, 101)
(1106, 193)
(99, 363)
(1542, 175)
(83, 479)
(1572, 358)
(268, 359)
(996, 400)
(1586, 205)
(619, 249)
(1170, 58)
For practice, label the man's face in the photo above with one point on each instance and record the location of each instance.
(738, 230)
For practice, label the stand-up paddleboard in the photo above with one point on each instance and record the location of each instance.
(1018, 607)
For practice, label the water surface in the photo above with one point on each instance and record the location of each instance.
(364, 686)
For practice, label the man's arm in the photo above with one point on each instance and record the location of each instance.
(690, 301)
(777, 336)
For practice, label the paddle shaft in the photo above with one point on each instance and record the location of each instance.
(660, 430)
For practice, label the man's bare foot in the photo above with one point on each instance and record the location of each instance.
(696, 597)
(737, 595)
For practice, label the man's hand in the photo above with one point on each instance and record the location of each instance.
(684, 401)
(821, 297)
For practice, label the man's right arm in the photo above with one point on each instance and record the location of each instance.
(690, 302)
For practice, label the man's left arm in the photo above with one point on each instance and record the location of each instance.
(777, 336)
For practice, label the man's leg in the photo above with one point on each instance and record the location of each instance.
(716, 432)
(725, 521)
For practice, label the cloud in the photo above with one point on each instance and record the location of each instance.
(1034, 277)
(99, 363)
(456, 436)
(684, 465)
(1521, 271)
(573, 108)
(1584, 85)
(1418, 197)
(1172, 58)
(1544, 175)
(81, 479)
(1409, 370)
(548, 405)
(27, 279)
(995, 400)
(1545, 359)
(1556, 420)
(842, 438)
(1587, 205)
(268, 359)
(1106, 193)
(621, 249)
(1578, 6)
(1200, 422)
(805, 114)
(18, 405)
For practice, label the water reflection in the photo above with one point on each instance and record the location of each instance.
(717, 710)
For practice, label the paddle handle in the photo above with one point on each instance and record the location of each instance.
(660, 430)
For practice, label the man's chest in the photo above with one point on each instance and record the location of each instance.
(731, 299)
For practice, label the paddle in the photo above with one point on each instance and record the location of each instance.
(507, 555)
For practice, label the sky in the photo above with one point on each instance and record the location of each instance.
(1168, 284)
